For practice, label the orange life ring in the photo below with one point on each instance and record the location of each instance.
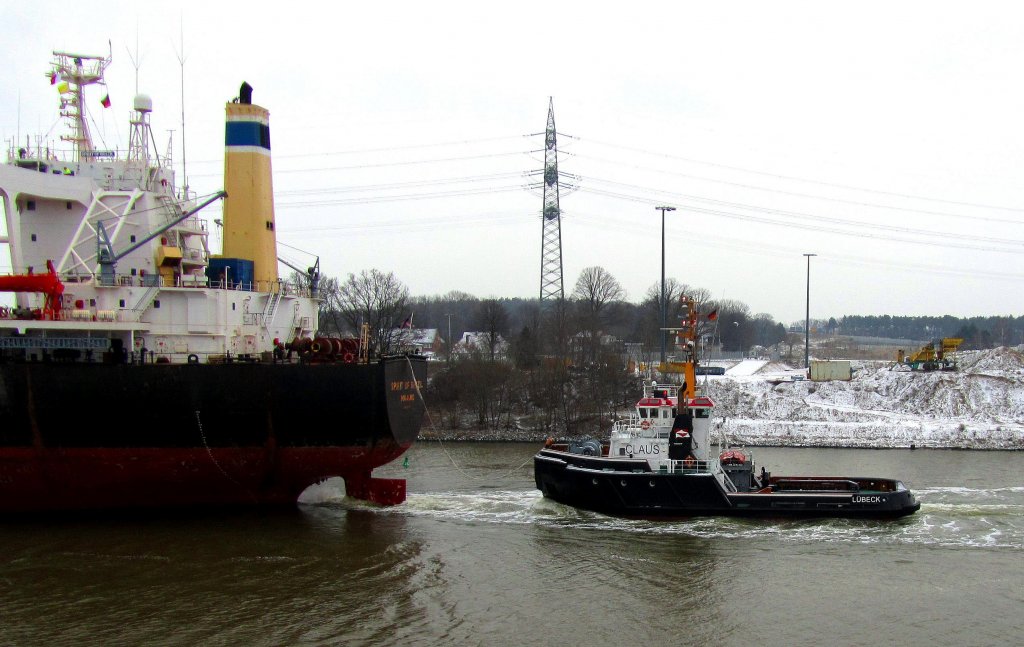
(646, 424)
(349, 358)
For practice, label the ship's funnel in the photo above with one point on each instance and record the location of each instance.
(249, 208)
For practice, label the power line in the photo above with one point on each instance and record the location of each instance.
(385, 149)
(437, 160)
(796, 194)
(402, 185)
(399, 198)
(804, 226)
(798, 214)
(807, 180)
(778, 251)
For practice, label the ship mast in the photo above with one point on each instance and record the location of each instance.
(74, 72)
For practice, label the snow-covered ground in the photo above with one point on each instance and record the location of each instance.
(980, 406)
(746, 367)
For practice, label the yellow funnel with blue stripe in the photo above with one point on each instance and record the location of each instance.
(249, 208)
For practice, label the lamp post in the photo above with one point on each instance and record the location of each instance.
(449, 315)
(664, 306)
(807, 316)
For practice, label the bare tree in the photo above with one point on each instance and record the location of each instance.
(378, 300)
(792, 339)
(329, 320)
(674, 293)
(596, 288)
(596, 292)
(492, 320)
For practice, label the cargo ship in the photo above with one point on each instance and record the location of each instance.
(137, 369)
(662, 461)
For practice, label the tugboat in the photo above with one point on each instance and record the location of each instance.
(659, 463)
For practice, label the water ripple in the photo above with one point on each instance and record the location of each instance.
(980, 520)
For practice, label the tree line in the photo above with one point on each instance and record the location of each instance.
(594, 311)
(562, 367)
(977, 332)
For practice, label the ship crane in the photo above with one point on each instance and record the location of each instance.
(106, 256)
(49, 284)
(312, 274)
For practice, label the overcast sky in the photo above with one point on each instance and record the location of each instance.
(884, 137)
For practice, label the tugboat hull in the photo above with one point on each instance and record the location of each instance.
(629, 488)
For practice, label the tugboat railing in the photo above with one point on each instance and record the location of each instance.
(687, 467)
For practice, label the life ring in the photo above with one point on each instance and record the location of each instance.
(193, 359)
(646, 424)
(349, 358)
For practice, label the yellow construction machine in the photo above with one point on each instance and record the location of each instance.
(938, 355)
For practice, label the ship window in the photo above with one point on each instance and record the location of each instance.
(132, 238)
(156, 304)
(664, 413)
(701, 413)
(33, 238)
(643, 412)
(31, 205)
(122, 303)
(270, 225)
(134, 271)
(92, 303)
(68, 204)
(232, 306)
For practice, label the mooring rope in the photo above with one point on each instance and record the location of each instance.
(433, 428)
(209, 453)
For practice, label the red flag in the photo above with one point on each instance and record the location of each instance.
(713, 315)
(105, 101)
(53, 78)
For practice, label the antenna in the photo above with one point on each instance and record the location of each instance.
(181, 61)
(136, 58)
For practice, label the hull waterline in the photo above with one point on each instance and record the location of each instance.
(239, 435)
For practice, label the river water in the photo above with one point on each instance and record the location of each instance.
(477, 557)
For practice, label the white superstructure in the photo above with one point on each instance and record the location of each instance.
(76, 208)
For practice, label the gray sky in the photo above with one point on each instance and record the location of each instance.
(884, 137)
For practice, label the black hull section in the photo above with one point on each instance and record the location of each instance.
(95, 435)
(195, 405)
(628, 488)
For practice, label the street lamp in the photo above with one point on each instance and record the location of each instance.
(807, 316)
(664, 306)
(449, 315)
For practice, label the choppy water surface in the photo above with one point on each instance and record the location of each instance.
(476, 556)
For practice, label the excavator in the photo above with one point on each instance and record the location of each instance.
(938, 355)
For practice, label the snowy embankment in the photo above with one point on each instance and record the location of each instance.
(979, 406)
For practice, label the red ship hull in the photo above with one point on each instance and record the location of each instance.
(73, 479)
(227, 436)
